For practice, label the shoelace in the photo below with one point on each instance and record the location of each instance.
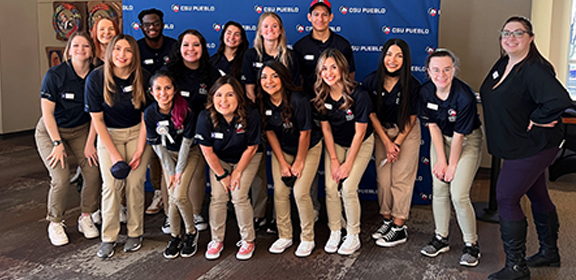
(383, 229)
(473, 251)
(437, 243)
(60, 230)
(390, 235)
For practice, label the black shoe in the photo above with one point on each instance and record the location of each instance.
(272, 228)
(547, 228)
(190, 244)
(395, 236)
(173, 248)
(514, 240)
(470, 255)
(259, 223)
(436, 246)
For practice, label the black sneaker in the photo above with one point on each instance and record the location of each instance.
(173, 249)
(259, 223)
(190, 245)
(437, 245)
(382, 230)
(272, 228)
(470, 255)
(395, 236)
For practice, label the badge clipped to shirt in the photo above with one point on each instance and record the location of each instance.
(68, 95)
(451, 115)
(268, 113)
(185, 93)
(217, 135)
(328, 106)
(309, 57)
(432, 106)
(148, 61)
(495, 75)
(127, 89)
(162, 130)
(349, 115)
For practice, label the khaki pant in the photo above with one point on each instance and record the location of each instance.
(260, 189)
(155, 168)
(74, 141)
(349, 188)
(242, 206)
(459, 188)
(396, 180)
(126, 142)
(301, 195)
(180, 206)
(197, 187)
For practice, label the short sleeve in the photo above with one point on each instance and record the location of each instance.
(295, 69)
(414, 96)
(363, 106)
(93, 92)
(189, 125)
(248, 76)
(468, 113)
(254, 128)
(152, 138)
(204, 129)
(303, 114)
(49, 88)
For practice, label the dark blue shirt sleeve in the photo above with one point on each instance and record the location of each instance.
(303, 114)
(363, 106)
(204, 129)
(248, 76)
(49, 89)
(468, 113)
(93, 92)
(254, 129)
(152, 137)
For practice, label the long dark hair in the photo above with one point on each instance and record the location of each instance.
(323, 90)
(287, 88)
(236, 69)
(176, 65)
(179, 105)
(405, 79)
(534, 56)
(241, 110)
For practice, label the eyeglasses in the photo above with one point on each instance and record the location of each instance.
(147, 25)
(517, 33)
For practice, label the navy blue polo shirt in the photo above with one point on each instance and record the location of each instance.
(390, 101)
(64, 87)
(156, 122)
(122, 114)
(309, 49)
(457, 113)
(229, 140)
(222, 64)
(343, 122)
(289, 133)
(251, 65)
(153, 59)
(530, 92)
(195, 92)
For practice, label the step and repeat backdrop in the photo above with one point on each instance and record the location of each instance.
(366, 24)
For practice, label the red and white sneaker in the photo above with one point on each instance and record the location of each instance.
(214, 250)
(246, 251)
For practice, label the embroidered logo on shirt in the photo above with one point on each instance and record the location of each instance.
(203, 89)
(239, 128)
(451, 115)
(349, 115)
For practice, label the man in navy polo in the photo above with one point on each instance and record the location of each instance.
(309, 48)
(154, 47)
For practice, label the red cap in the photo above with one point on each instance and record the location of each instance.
(323, 2)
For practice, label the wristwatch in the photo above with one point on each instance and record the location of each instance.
(56, 142)
(226, 173)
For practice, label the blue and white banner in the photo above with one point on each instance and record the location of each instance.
(367, 24)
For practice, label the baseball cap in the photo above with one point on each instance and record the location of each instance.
(320, 2)
(120, 170)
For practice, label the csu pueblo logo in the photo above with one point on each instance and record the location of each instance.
(405, 30)
(362, 10)
(135, 26)
(217, 27)
(429, 49)
(195, 8)
(432, 12)
(300, 28)
(288, 9)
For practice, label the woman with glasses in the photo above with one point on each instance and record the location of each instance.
(523, 102)
(448, 106)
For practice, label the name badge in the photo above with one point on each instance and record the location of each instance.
(258, 64)
(217, 135)
(432, 106)
(68, 95)
(495, 75)
(127, 88)
(164, 123)
(149, 61)
(309, 57)
(185, 93)
(328, 106)
(268, 112)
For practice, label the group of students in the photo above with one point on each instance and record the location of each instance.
(220, 111)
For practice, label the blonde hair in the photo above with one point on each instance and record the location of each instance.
(83, 34)
(283, 55)
(138, 93)
(323, 90)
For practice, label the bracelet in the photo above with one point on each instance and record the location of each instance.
(397, 145)
(226, 173)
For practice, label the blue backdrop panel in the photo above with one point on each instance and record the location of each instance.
(367, 24)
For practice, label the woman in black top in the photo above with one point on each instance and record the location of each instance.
(63, 129)
(233, 45)
(345, 118)
(397, 139)
(170, 127)
(449, 109)
(523, 102)
(296, 145)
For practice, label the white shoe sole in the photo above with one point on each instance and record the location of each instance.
(381, 243)
(201, 227)
(245, 257)
(443, 250)
(279, 250)
(471, 264)
(88, 236)
(59, 243)
(213, 256)
(303, 254)
(348, 252)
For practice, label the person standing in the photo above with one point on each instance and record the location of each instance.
(103, 30)
(233, 45)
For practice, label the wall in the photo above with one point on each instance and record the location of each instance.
(19, 69)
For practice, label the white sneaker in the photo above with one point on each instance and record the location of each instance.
(97, 217)
(305, 249)
(57, 234)
(351, 244)
(123, 214)
(280, 245)
(156, 204)
(87, 227)
(200, 223)
(333, 242)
